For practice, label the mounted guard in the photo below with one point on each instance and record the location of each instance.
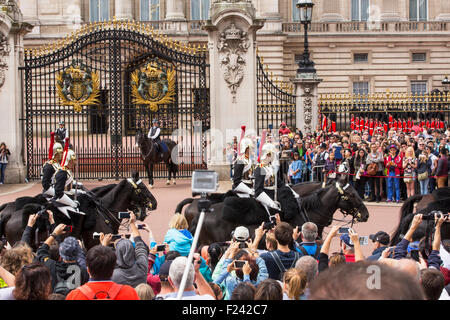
(62, 133)
(243, 167)
(154, 134)
(63, 180)
(266, 174)
(50, 167)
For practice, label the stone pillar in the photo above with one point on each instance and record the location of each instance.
(306, 90)
(331, 11)
(175, 10)
(445, 11)
(123, 10)
(232, 55)
(12, 30)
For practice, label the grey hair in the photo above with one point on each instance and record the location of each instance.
(309, 266)
(176, 272)
(309, 231)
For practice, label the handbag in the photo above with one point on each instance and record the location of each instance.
(372, 169)
(422, 176)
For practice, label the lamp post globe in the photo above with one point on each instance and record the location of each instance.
(305, 7)
(446, 84)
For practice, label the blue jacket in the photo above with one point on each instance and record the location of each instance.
(376, 254)
(179, 240)
(230, 280)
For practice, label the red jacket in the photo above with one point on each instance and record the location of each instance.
(126, 293)
(398, 164)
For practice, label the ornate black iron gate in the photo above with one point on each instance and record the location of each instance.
(107, 80)
(275, 101)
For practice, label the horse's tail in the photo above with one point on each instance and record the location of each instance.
(180, 206)
(406, 209)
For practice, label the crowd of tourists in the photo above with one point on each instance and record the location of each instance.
(391, 164)
(293, 266)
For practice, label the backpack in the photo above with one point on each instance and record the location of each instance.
(61, 287)
(110, 295)
(280, 265)
(305, 253)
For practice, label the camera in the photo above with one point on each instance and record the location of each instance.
(204, 181)
(432, 214)
(42, 211)
(270, 224)
(343, 230)
(140, 227)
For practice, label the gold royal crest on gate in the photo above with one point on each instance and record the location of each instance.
(77, 86)
(152, 86)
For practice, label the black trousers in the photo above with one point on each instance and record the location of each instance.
(375, 190)
(360, 186)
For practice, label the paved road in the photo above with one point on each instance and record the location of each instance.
(382, 216)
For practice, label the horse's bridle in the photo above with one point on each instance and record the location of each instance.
(353, 212)
(137, 190)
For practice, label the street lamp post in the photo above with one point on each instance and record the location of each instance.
(305, 65)
(446, 85)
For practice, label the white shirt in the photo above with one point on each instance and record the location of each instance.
(433, 158)
(157, 132)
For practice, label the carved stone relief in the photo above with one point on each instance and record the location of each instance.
(307, 108)
(4, 51)
(232, 45)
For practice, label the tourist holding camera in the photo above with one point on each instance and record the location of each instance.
(4, 153)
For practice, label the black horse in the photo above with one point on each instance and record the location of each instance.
(101, 212)
(439, 200)
(191, 211)
(151, 156)
(318, 207)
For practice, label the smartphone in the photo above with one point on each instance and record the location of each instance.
(270, 126)
(68, 228)
(140, 227)
(364, 241)
(96, 235)
(343, 230)
(415, 255)
(238, 264)
(124, 215)
(160, 248)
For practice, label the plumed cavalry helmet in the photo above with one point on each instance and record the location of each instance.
(268, 152)
(57, 148)
(68, 156)
(246, 142)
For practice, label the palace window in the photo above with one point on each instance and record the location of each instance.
(150, 10)
(361, 88)
(98, 10)
(295, 11)
(200, 9)
(419, 57)
(360, 57)
(418, 10)
(418, 87)
(360, 10)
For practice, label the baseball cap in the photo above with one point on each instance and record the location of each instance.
(164, 270)
(346, 239)
(241, 233)
(381, 237)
